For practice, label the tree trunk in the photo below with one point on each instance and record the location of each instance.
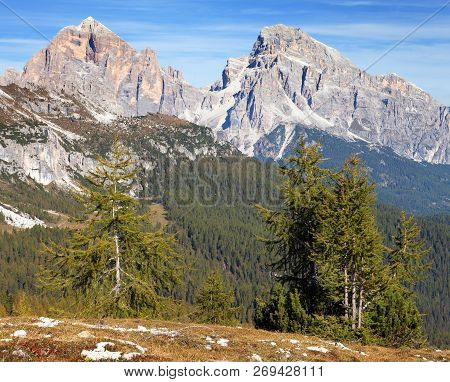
(354, 300)
(360, 308)
(116, 242)
(117, 286)
(346, 292)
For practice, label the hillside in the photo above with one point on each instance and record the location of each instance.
(44, 339)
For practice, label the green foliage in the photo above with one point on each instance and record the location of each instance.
(396, 320)
(343, 258)
(295, 226)
(406, 259)
(395, 316)
(3, 311)
(21, 305)
(283, 312)
(112, 263)
(221, 234)
(215, 303)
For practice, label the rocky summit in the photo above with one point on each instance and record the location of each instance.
(289, 81)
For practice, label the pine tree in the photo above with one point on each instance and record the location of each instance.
(112, 263)
(215, 302)
(294, 228)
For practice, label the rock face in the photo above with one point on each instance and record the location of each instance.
(48, 138)
(91, 60)
(289, 79)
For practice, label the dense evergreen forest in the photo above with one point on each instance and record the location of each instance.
(210, 205)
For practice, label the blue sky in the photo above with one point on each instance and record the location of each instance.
(198, 36)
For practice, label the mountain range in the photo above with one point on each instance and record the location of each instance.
(89, 85)
(287, 79)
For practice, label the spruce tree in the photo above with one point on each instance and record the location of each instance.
(111, 262)
(294, 227)
(215, 302)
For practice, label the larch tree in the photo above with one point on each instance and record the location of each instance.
(349, 245)
(406, 258)
(115, 265)
(395, 315)
(294, 227)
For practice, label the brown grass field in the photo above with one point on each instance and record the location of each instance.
(163, 341)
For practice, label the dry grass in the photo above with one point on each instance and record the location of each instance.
(190, 343)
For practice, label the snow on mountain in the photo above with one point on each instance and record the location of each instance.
(18, 219)
(288, 79)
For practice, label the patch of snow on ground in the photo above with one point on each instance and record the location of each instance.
(5, 340)
(286, 352)
(141, 329)
(18, 219)
(319, 349)
(100, 353)
(20, 353)
(19, 333)
(222, 342)
(208, 347)
(340, 345)
(304, 354)
(256, 358)
(128, 356)
(45, 322)
(293, 341)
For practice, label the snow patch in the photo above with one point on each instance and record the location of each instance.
(256, 358)
(19, 219)
(286, 352)
(141, 329)
(19, 333)
(20, 353)
(293, 341)
(45, 322)
(319, 349)
(223, 342)
(100, 353)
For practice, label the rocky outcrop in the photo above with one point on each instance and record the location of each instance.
(92, 61)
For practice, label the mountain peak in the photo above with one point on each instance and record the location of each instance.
(92, 25)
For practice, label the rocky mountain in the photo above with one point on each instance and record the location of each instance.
(53, 138)
(290, 78)
(287, 79)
